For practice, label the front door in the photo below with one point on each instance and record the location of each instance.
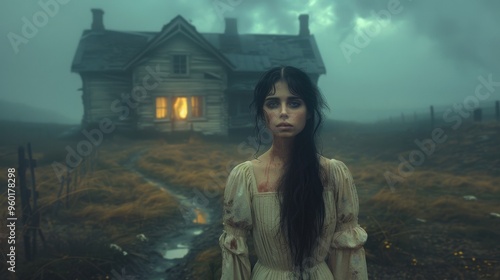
(180, 114)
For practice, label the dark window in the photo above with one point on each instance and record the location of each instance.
(180, 64)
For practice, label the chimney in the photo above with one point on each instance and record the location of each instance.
(231, 26)
(97, 23)
(304, 25)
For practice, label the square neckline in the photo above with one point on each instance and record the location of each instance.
(256, 190)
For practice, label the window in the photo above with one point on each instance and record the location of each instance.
(180, 64)
(161, 108)
(181, 108)
(196, 106)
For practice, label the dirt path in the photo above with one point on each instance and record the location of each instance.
(178, 243)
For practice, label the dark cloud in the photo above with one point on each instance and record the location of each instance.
(465, 31)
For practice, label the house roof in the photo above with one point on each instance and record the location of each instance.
(106, 50)
(259, 52)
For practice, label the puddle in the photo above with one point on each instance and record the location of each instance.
(175, 254)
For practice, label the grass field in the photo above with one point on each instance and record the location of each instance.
(418, 222)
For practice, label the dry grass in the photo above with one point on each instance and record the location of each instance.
(114, 197)
(396, 203)
(207, 264)
(194, 165)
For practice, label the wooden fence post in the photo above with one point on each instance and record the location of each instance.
(35, 221)
(96, 155)
(76, 177)
(497, 110)
(432, 117)
(91, 159)
(25, 202)
(58, 202)
(68, 180)
(36, 213)
(84, 167)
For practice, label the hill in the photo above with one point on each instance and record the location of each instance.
(14, 111)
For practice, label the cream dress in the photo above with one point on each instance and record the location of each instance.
(250, 213)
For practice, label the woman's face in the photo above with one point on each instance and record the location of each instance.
(284, 108)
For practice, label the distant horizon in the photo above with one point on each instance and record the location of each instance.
(396, 114)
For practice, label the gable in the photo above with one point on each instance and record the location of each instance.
(200, 62)
(179, 26)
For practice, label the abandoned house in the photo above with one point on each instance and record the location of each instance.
(179, 79)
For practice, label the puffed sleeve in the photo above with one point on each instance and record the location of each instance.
(347, 259)
(237, 222)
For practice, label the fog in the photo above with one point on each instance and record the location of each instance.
(382, 57)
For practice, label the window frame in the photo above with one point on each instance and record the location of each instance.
(203, 107)
(172, 64)
(170, 108)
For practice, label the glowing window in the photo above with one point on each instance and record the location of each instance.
(161, 107)
(196, 106)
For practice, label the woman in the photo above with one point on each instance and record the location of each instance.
(300, 208)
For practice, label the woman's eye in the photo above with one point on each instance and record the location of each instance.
(295, 104)
(272, 104)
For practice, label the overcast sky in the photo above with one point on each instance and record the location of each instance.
(413, 53)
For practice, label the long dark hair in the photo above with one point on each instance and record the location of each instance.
(300, 188)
